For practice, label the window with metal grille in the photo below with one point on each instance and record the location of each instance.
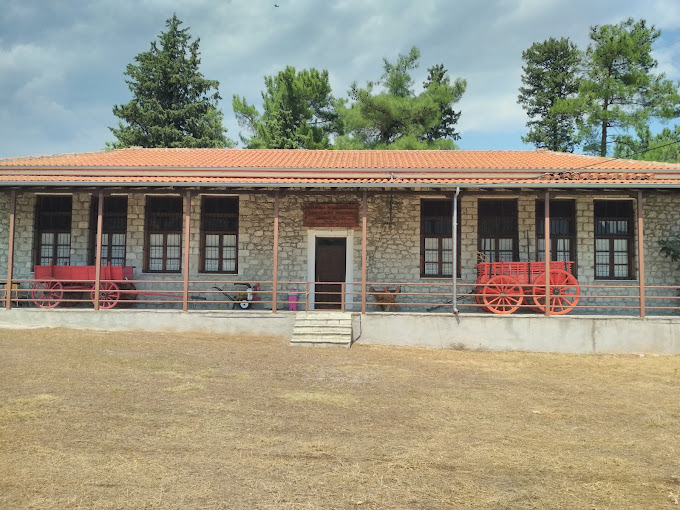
(163, 219)
(436, 243)
(52, 230)
(114, 229)
(562, 230)
(219, 234)
(497, 232)
(614, 238)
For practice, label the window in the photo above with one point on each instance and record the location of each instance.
(114, 228)
(163, 234)
(436, 244)
(497, 230)
(219, 234)
(562, 230)
(52, 230)
(614, 239)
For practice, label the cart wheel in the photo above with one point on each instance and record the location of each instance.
(126, 298)
(480, 299)
(564, 292)
(108, 295)
(244, 305)
(502, 294)
(479, 294)
(47, 293)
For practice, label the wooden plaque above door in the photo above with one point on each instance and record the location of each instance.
(331, 216)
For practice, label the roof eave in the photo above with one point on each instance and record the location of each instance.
(394, 185)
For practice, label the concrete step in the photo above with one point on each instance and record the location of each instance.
(328, 339)
(322, 329)
(329, 322)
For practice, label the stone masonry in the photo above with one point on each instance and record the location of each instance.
(393, 243)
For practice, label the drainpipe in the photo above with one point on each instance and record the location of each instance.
(454, 269)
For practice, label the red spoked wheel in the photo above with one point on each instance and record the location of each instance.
(128, 294)
(502, 294)
(480, 300)
(479, 296)
(109, 295)
(47, 293)
(564, 292)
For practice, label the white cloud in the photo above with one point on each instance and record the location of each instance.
(493, 114)
(669, 61)
(62, 63)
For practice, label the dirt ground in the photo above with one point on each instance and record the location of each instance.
(93, 420)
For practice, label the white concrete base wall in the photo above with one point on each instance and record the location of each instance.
(570, 334)
(251, 323)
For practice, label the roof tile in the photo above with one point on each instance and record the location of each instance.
(329, 159)
(320, 167)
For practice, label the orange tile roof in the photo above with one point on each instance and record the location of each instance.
(329, 159)
(317, 167)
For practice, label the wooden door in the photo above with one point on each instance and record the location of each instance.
(330, 261)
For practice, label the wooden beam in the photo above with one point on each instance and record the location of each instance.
(546, 245)
(454, 251)
(10, 252)
(98, 252)
(187, 249)
(275, 274)
(364, 249)
(641, 252)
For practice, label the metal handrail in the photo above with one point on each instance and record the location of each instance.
(414, 296)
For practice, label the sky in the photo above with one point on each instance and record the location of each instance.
(62, 61)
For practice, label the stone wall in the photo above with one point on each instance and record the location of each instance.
(393, 245)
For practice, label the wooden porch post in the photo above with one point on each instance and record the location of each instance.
(546, 245)
(641, 252)
(454, 252)
(98, 252)
(10, 253)
(364, 249)
(187, 249)
(275, 270)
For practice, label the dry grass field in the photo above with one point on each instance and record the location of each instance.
(92, 420)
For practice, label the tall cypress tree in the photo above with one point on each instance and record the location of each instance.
(173, 105)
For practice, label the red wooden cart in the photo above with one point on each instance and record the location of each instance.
(505, 286)
(56, 285)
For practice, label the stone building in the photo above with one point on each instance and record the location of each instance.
(360, 231)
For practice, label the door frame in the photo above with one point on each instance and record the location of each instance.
(348, 235)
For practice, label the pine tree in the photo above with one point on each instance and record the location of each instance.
(619, 89)
(173, 105)
(438, 85)
(550, 75)
(397, 117)
(663, 146)
(298, 112)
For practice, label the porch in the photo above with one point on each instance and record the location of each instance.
(367, 251)
(394, 242)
